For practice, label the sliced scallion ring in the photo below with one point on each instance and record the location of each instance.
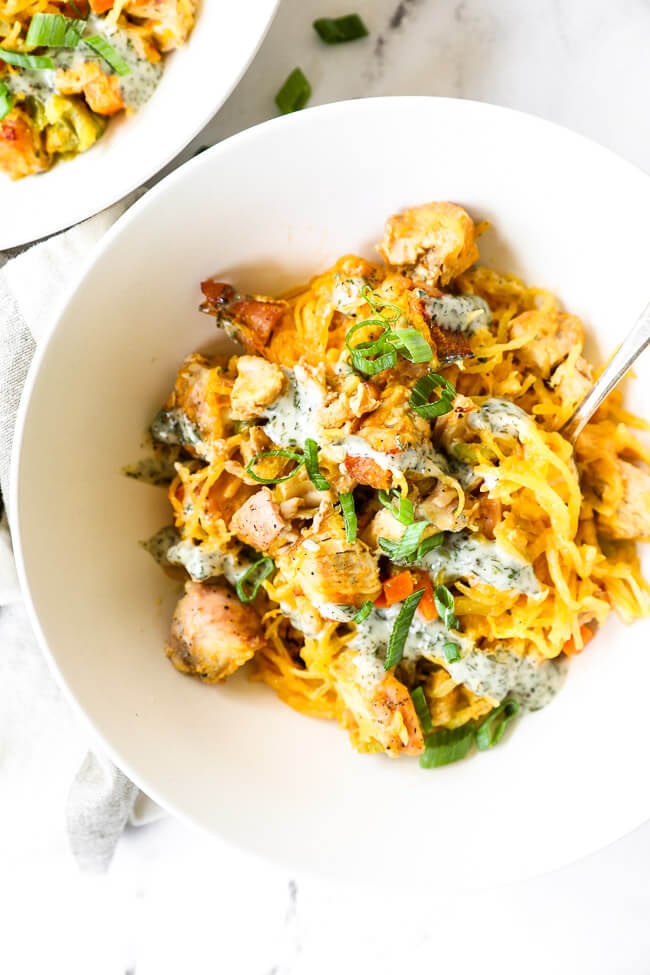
(105, 49)
(370, 367)
(419, 401)
(338, 30)
(406, 548)
(349, 515)
(6, 100)
(33, 62)
(54, 30)
(422, 710)
(248, 584)
(404, 510)
(447, 745)
(378, 306)
(313, 470)
(412, 345)
(288, 454)
(364, 612)
(490, 733)
(401, 628)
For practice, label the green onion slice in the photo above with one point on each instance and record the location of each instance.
(33, 62)
(445, 605)
(349, 515)
(253, 577)
(289, 454)
(364, 612)
(54, 30)
(404, 510)
(427, 544)
(313, 470)
(412, 345)
(451, 651)
(447, 745)
(406, 548)
(401, 629)
(106, 51)
(488, 733)
(378, 306)
(338, 30)
(422, 710)
(6, 100)
(371, 346)
(294, 94)
(419, 401)
(370, 367)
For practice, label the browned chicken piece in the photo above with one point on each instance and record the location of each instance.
(172, 19)
(21, 152)
(452, 427)
(382, 525)
(365, 470)
(381, 713)
(212, 633)
(329, 569)
(393, 427)
(258, 522)
(101, 91)
(550, 336)
(257, 385)
(186, 417)
(433, 243)
(572, 382)
(450, 346)
(632, 519)
(249, 321)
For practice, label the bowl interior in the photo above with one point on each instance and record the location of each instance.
(196, 81)
(267, 209)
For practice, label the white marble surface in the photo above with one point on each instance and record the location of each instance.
(174, 902)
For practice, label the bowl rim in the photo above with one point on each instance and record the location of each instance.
(165, 186)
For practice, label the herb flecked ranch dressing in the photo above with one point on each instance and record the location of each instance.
(293, 416)
(461, 555)
(136, 87)
(458, 313)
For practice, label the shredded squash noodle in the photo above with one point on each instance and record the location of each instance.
(380, 474)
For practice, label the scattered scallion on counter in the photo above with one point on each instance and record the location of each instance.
(349, 515)
(404, 550)
(445, 605)
(294, 94)
(6, 100)
(33, 62)
(492, 729)
(419, 401)
(422, 710)
(401, 629)
(288, 454)
(313, 470)
(106, 51)
(54, 30)
(248, 584)
(338, 30)
(364, 612)
(404, 510)
(447, 745)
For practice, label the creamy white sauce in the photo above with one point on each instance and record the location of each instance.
(337, 611)
(463, 556)
(158, 545)
(202, 563)
(172, 427)
(346, 294)
(423, 459)
(458, 313)
(158, 470)
(500, 416)
(295, 415)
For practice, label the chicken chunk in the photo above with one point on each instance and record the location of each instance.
(550, 336)
(250, 321)
(187, 418)
(365, 470)
(258, 522)
(329, 569)
(432, 243)
(21, 152)
(441, 509)
(212, 633)
(257, 385)
(101, 91)
(171, 20)
(632, 519)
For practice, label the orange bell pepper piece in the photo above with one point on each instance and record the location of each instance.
(398, 587)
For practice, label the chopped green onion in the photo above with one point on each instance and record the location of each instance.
(372, 346)
(486, 734)
(404, 511)
(412, 345)
(294, 94)
(361, 354)
(54, 30)
(445, 605)
(31, 61)
(338, 30)
(106, 51)
(370, 367)
(378, 306)
(349, 515)
(313, 470)
(427, 544)
(451, 651)
(422, 710)
(406, 548)
(419, 401)
(6, 100)
(447, 745)
(364, 612)
(401, 629)
(254, 576)
(289, 454)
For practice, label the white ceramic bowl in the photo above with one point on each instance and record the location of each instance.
(268, 208)
(196, 82)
